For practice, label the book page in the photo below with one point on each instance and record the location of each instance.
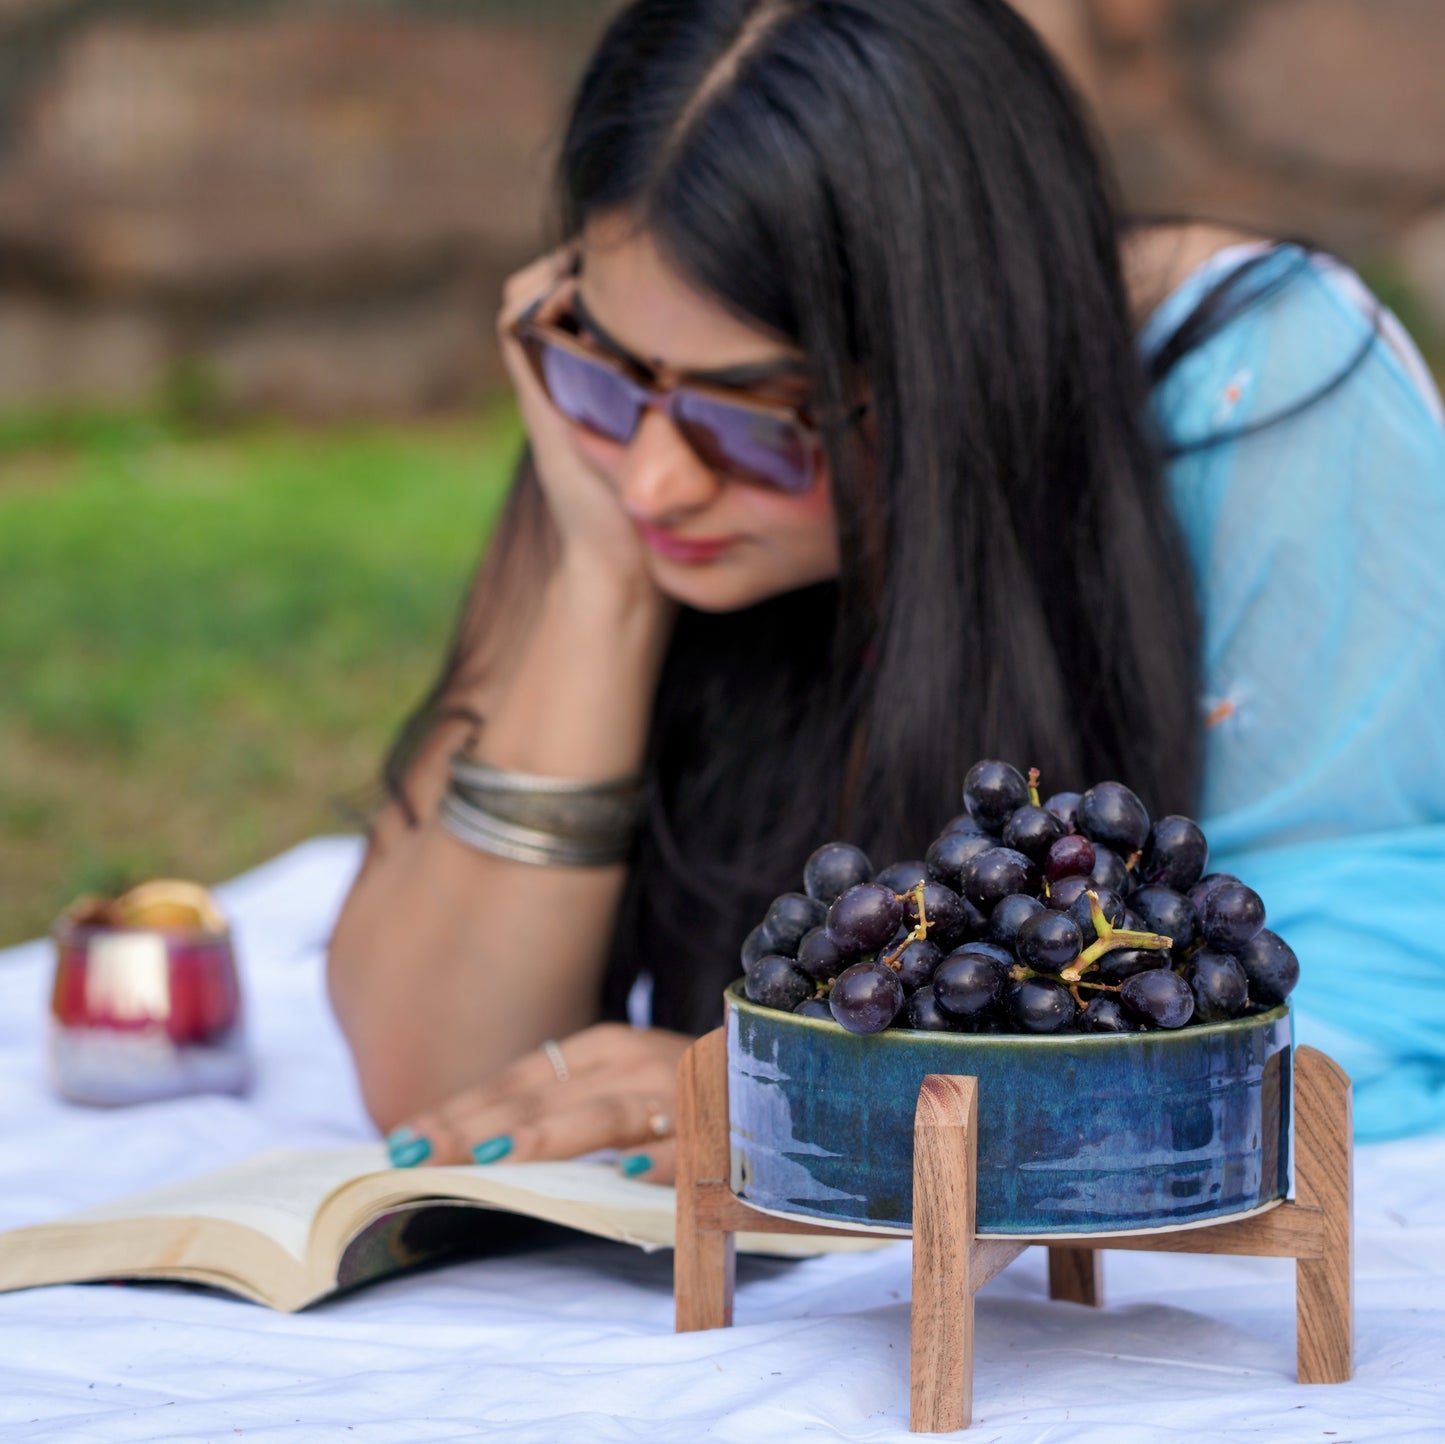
(586, 1195)
(277, 1193)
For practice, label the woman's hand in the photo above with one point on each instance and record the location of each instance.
(620, 1092)
(595, 531)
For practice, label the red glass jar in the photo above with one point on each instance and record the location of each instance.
(144, 1012)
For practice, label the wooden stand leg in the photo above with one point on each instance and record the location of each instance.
(1075, 1276)
(704, 1264)
(945, 1156)
(1324, 1179)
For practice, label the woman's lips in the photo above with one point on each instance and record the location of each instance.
(683, 549)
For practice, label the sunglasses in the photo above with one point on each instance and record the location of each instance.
(765, 443)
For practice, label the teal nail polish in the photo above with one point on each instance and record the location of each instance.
(398, 1136)
(492, 1149)
(634, 1164)
(407, 1152)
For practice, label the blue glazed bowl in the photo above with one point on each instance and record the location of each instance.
(1077, 1133)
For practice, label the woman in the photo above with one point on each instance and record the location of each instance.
(844, 471)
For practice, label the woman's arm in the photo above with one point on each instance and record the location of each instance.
(447, 963)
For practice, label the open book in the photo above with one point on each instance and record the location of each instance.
(290, 1226)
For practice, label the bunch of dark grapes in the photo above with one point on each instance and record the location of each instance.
(1076, 914)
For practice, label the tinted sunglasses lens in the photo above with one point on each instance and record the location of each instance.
(751, 445)
(587, 393)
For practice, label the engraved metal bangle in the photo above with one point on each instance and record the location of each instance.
(577, 810)
(471, 772)
(479, 829)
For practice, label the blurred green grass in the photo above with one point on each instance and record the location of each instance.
(207, 640)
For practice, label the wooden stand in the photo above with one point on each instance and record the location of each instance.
(951, 1263)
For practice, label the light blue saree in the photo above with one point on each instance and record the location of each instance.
(1318, 548)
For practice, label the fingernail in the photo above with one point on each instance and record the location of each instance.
(491, 1149)
(634, 1164)
(407, 1148)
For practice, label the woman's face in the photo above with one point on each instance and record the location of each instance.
(711, 542)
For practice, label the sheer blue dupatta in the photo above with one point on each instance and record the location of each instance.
(1318, 549)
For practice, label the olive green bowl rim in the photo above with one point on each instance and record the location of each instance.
(734, 997)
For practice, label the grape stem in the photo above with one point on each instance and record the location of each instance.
(1034, 785)
(1108, 939)
(1021, 971)
(916, 935)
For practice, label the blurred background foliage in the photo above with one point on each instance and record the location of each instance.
(252, 431)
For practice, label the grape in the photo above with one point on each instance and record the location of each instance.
(1032, 831)
(1162, 910)
(993, 875)
(1111, 814)
(1125, 962)
(1206, 885)
(917, 963)
(1070, 856)
(988, 1023)
(975, 921)
(814, 1008)
(1001, 955)
(1231, 916)
(777, 982)
(991, 791)
(968, 984)
(1104, 1015)
(1109, 871)
(1008, 915)
(755, 946)
(1064, 806)
(866, 998)
(1064, 893)
(1110, 904)
(963, 823)
(948, 923)
(1271, 967)
(903, 876)
(1175, 853)
(1040, 1005)
(833, 869)
(1159, 996)
(947, 854)
(1049, 941)
(819, 956)
(1220, 987)
(864, 918)
(789, 917)
(923, 1013)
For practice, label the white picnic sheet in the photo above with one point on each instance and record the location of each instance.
(575, 1342)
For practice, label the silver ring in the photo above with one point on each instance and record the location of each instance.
(553, 1054)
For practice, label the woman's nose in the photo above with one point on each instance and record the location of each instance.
(660, 473)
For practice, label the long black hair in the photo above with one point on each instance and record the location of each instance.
(908, 191)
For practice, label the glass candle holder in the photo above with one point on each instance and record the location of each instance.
(144, 1012)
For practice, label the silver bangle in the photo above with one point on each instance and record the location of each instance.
(583, 812)
(471, 772)
(478, 828)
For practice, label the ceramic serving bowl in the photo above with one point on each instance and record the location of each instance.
(1077, 1133)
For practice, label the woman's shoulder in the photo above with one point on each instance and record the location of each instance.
(1292, 323)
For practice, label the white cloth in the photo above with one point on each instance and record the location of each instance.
(575, 1343)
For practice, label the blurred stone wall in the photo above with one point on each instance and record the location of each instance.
(257, 205)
